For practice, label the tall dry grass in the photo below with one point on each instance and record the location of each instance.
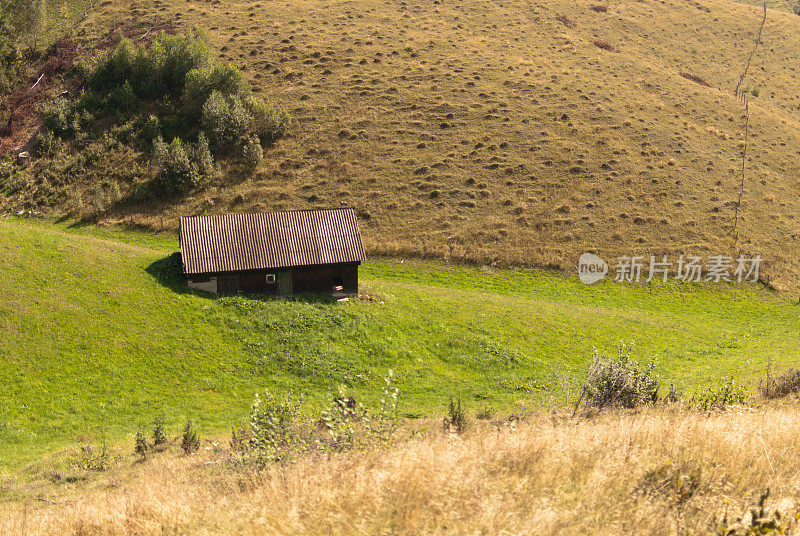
(658, 472)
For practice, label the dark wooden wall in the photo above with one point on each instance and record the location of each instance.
(324, 279)
(321, 279)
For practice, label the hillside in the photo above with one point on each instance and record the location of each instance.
(499, 131)
(101, 337)
(653, 472)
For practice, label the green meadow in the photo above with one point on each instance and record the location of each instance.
(100, 337)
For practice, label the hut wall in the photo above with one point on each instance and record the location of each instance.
(207, 284)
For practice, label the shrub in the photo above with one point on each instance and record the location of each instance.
(99, 198)
(619, 381)
(59, 116)
(159, 435)
(201, 83)
(201, 157)
(225, 120)
(189, 440)
(114, 191)
(457, 419)
(181, 55)
(252, 152)
(269, 122)
(779, 386)
(271, 419)
(140, 446)
(720, 397)
(90, 458)
(150, 128)
(176, 173)
(160, 152)
(341, 421)
(114, 68)
(46, 143)
(123, 99)
(152, 71)
(756, 519)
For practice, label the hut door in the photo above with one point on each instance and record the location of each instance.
(228, 284)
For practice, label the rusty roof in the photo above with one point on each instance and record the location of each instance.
(235, 242)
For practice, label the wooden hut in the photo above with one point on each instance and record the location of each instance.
(284, 253)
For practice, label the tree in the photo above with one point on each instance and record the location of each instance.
(29, 20)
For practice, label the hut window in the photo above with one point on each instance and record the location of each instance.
(270, 278)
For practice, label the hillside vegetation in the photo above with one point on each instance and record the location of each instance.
(657, 473)
(101, 337)
(520, 132)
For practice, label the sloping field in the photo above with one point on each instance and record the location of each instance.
(100, 337)
(518, 131)
(654, 473)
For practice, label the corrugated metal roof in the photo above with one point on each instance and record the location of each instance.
(234, 242)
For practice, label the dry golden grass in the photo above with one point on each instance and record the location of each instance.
(429, 117)
(654, 472)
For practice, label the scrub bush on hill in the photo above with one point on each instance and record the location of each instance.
(269, 122)
(171, 90)
(252, 153)
(620, 381)
(177, 169)
(226, 120)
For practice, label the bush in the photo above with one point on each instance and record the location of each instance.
(756, 519)
(225, 120)
(201, 157)
(123, 99)
(150, 128)
(189, 440)
(782, 385)
(252, 153)
(271, 419)
(99, 198)
(181, 55)
(59, 116)
(159, 435)
(176, 173)
(46, 143)
(269, 122)
(11, 180)
(152, 71)
(457, 420)
(90, 458)
(721, 397)
(201, 83)
(160, 152)
(114, 68)
(621, 382)
(140, 445)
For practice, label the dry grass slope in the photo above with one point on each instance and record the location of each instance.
(498, 131)
(656, 472)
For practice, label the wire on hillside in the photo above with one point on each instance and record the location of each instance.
(743, 96)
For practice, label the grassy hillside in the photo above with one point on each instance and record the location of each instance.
(100, 337)
(495, 131)
(652, 472)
